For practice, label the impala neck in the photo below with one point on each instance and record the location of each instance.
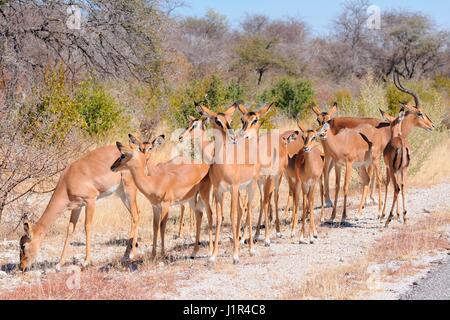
(144, 183)
(408, 124)
(59, 203)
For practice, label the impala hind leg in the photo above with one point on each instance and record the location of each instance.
(181, 225)
(403, 187)
(276, 198)
(383, 211)
(366, 181)
(74, 216)
(90, 210)
(394, 202)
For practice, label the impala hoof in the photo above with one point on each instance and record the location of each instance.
(252, 253)
(58, 267)
(267, 243)
(212, 259)
(235, 260)
(279, 235)
(302, 241)
(328, 203)
(259, 237)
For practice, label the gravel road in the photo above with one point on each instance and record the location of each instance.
(436, 286)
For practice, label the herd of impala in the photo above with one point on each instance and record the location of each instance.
(232, 162)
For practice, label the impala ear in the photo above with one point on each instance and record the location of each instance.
(158, 141)
(133, 140)
(28, 229)
(387, 116)
(242, 108)
(191, 118)
(119, 145)
(265, 109)
(316, 110)
(301, 126)
(401, 116)
(230, 111)
(333, 109)
(204, 111)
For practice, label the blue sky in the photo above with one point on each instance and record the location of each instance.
(317, 13)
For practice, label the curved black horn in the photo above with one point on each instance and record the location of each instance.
(403, 89)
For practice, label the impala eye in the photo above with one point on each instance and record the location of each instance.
(219, 123)
(254, 122)
(122, 156)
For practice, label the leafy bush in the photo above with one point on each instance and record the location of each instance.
(98, 109)
(210, 91)
(291, 96)
(53, 113)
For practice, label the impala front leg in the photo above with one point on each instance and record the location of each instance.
(327, 169)
(337, 169)
(219, 213)
(348, 176)
(164, 215)
(156, 225)
(235, 223)
(90, 210)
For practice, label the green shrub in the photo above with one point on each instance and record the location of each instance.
(442, 84)
(210, 91)
(291, 96)
(98, 109)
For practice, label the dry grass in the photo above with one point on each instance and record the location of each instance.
(349, 281)
(435, 169)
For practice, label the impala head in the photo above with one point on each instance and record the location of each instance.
(323, 131)
(324, 116)
(251, 120)
(195, 128)
(309, 137)
(134, 156)
(220, 120)
(421, 120)
(395, 122)
(29, 246)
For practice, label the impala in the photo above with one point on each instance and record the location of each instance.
(397, 158)
(272, 158)
(229, 173)
(414, 118)
(167, 185)
(81, 184)
(309, 165)
(293, 147)
(348, 148)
